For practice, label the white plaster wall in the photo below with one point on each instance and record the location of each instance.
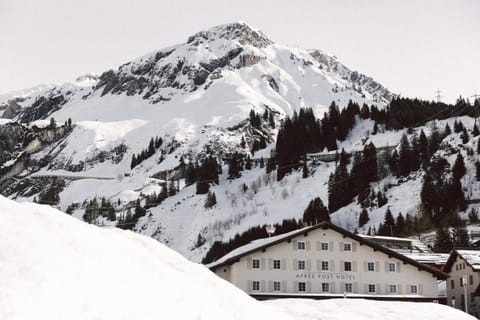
(241, 274)
(459, 269)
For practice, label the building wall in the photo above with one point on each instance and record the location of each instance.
(243, 275)
(455, 294)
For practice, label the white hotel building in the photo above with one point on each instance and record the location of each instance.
(325, 261)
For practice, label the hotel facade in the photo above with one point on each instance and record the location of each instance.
(324, 261)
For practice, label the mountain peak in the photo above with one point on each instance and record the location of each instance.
(240, 31)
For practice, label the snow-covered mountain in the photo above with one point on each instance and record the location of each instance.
(178, 106)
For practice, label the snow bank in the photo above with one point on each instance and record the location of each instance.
(53, 266)
(359, 309)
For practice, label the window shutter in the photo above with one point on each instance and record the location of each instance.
(319, 245)
(354, 266)
(341, 246)
(354, 246)
(398, 267)
(262, 285)
(319, 265)
(387, 288)
(386, 266)
(399, 288)
(308, 265)
(365, 266)
(342, 265)
(295, 246)
(270, 264)
(420, 290)
(308, 286)
(284, 286)
(332, 287)
(295, 264)
(307, 245)
(366, 288)
(295, 286)
(377, 288)
(377, 266)
(342, 287)
(249, 285)
(270, 285)
(249, 263)
(284, 264)
(331, 265)
(262, 264)
(355, 287)
(330, 246)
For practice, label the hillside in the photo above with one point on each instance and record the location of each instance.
(190, 144)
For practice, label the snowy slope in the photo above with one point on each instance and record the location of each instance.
(56, 267)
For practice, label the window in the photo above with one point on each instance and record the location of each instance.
(256, 285)
(464, 265)
(347, 266)
(276, 286)
(302, 287)
(452, 284)
(325, 287)
(276, 264)
(470, 279)
(347, 247)
(392, 267)
(371, 288)
(348, 287)
(324, 265)
(456, 267)
(393, 288)
(371, 266)
(301, 245)
(255, 263)
(461, 282)
(413, 289)
(324, 246)
(301, 264)
(472, 296)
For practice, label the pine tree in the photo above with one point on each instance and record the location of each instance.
(461, 238)
(475, 131)
(458, 168)
(305, 172)
(464, 136)
(172, 189)
(388, 223)
(315, 212)
(443, 241)
(211, 200)
(133, 163)
(363, 218)
(447, 130)
(400, 226)
(404, 157)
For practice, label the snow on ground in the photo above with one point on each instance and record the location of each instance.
(56, 267)
(359, 309)
(53, 266)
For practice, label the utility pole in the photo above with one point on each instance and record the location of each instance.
(476, 97)
(438, 96)
(465, 281)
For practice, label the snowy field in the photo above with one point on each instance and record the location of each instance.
(53, 266)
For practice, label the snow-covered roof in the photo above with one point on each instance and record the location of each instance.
(472, 257)
(431, 258)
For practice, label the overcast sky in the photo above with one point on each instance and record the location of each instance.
(411, 46)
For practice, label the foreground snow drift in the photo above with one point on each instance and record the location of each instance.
(53, 266)
(359, 309)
